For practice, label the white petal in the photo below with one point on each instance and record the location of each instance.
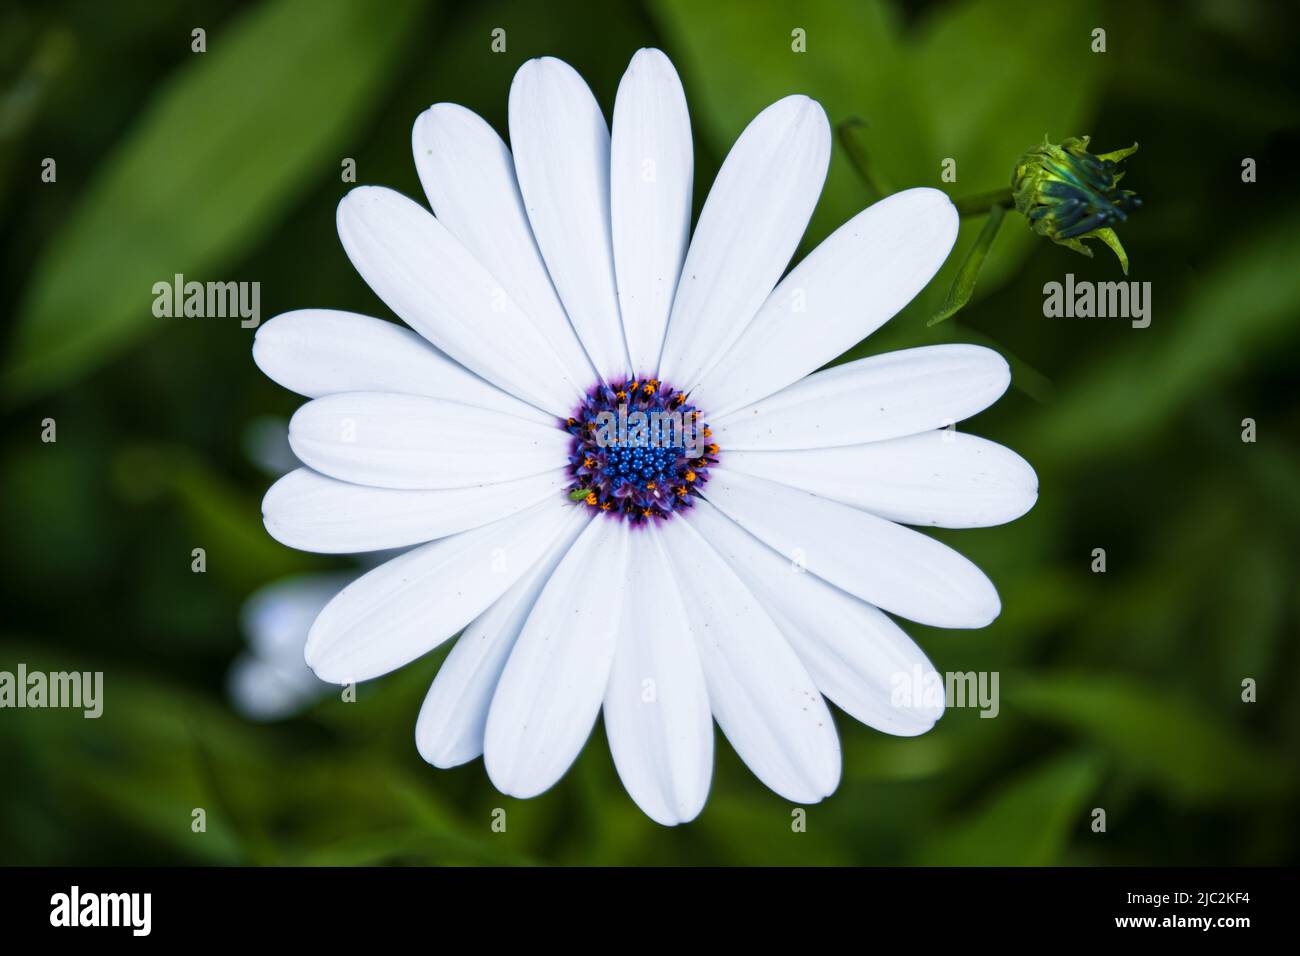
(657, 713)
(409, 441)
(844, 290)
(454, 715)
(551, 688)
(760, 693)
(651, 170)
(469, 176)
(872, 399)
(317, 352)
(942, 478)
(425, 275)
(561, 147)
(411, 604)
(751, 223)
(895, 568)
(857, 655)
(313, 512)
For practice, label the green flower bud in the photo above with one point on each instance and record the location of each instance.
(1069, 195)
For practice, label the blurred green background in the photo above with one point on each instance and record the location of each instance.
(1119, 690)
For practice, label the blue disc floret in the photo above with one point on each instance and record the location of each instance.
(641, 452)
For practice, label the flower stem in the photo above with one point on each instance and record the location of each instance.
(982, 203)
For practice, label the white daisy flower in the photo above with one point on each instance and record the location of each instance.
(740, 569)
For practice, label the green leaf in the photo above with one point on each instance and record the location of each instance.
(1028, 822)
(218, 157)
(1190, 751)
(963, 284)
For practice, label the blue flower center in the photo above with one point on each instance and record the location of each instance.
(639, 460)
(641, 452)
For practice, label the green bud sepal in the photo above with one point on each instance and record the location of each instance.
(1069, 194)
